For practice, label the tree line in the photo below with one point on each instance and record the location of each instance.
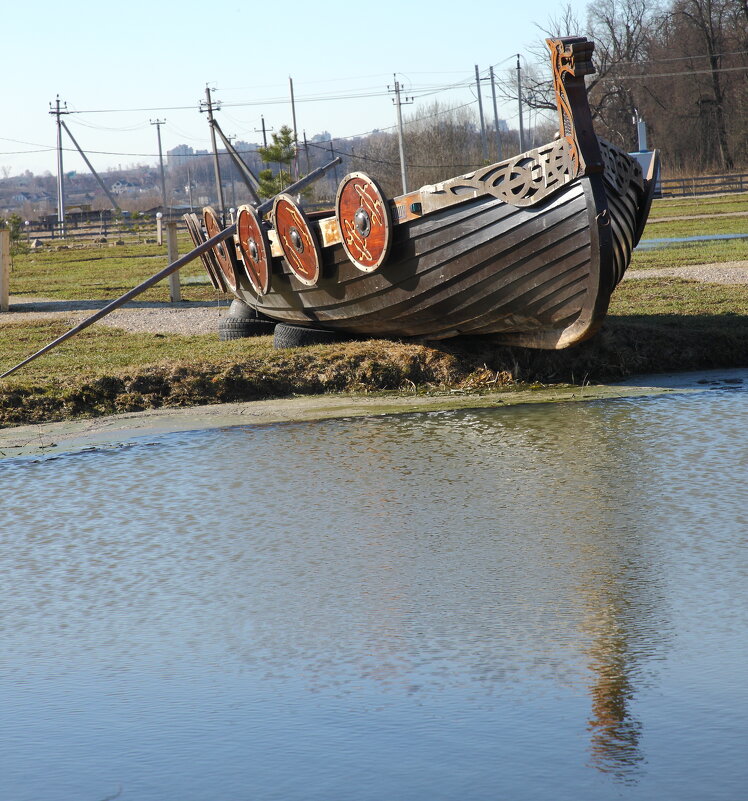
(681, 66)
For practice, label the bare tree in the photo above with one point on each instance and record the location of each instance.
(707, 18)
(620, 30)
(439, 142)
(680, 64)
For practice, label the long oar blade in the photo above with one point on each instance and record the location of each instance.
(115, 304)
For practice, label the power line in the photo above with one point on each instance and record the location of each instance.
(24, 152)
(366, 92)
(334, 139)
(647, 76)
(388, 162)
(362, 94)
(119, 129)
(685, 58)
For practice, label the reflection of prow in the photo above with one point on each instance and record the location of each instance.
(614, 733)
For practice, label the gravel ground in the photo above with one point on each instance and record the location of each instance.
(729, 272)
(135, 317)
(203, 318)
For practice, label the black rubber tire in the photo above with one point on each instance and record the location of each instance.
(297, 336)
(239, 308)
(241, 327)
(242, 310)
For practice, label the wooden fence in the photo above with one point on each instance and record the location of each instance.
(704, 185)
(104, 231)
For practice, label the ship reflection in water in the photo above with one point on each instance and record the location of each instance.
(537, 602)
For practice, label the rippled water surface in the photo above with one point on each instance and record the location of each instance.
(528, 603)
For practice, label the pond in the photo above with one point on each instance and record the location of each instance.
(523, 603)
(654, 244)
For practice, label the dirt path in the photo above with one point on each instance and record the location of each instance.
(728, 272)
(136, 317)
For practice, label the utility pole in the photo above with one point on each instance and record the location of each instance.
(295, 141)
(483, 142)
(4, 270)
(332, 156)
(264, 132)
(58, 110)
(641, 131)
(233, 188)
(207, 106)
(399, 102)
(158, 124)
(306, 154)
(519, 101)
(495, 114)
(245, 173)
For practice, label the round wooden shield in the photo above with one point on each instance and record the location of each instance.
(255, 249)
(365, 221)
(195, 230)
(222, 250)
(297, 239)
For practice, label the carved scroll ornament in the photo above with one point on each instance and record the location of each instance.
(521, 181)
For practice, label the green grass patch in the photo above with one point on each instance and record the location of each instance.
(99, 350)
(653, 325)
(701, 227)
(682, 254)
(103, 273)
(723, 204)
(655, 298)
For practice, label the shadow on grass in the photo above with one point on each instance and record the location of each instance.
(626, 345)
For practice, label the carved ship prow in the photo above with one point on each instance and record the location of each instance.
(528, 249)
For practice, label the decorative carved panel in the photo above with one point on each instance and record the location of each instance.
(521, 181)
(620, 168)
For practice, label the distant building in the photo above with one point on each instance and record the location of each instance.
(178, 155)
(19, 198)
(182, 154)
(125, 187)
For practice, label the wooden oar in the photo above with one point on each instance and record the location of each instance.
(169, 269)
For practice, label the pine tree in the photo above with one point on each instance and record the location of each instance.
(282, 153)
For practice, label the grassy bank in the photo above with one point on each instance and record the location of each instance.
(653, 325)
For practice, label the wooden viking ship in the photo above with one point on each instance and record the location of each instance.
(528, 249)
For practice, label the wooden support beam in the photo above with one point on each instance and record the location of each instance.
(4, 270)
(175, 291)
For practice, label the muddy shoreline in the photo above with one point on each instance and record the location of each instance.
(113, 431)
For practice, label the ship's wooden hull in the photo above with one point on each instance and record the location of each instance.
(539, 276)
(528, 250)
(483, 267)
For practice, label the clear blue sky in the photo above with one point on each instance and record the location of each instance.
(157, 57)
